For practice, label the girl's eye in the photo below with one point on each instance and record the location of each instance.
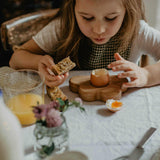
(110, 19)
(88, 19)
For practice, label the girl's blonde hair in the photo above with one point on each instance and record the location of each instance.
(70, 35)
(134, 12)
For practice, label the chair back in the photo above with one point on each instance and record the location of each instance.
(18, 30)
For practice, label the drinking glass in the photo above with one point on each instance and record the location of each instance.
(22, 90)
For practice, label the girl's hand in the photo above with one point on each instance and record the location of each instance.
(137, 75)
(45, 68)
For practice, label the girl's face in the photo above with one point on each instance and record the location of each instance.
(99, 20)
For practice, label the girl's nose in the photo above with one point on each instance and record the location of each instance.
(99, 28)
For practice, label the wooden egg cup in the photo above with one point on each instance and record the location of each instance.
(88, 92)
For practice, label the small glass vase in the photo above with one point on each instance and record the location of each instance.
(50, 140)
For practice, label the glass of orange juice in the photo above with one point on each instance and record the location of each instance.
(22, 90)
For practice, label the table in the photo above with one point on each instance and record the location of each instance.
(103, 135)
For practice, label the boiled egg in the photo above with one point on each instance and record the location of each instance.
(99, 77)
(113, 105)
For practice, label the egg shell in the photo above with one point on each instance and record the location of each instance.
(99, 77)
(109, 105)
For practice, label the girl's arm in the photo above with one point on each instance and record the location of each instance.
(28, 56)
(31, 56)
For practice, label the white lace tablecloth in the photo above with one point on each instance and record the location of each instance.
(103, 135)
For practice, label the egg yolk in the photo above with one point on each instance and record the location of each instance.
(116, 104)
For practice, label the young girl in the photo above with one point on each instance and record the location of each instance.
(95, 34)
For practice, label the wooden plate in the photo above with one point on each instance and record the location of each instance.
(88, 92)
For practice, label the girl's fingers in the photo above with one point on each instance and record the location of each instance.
(42, 70)
(119, 61)
(118, 57)
(57, 81)
(116, 63)
(48, 61)
(127, 74)
(65, 76)
(133, 83)
(50, 72)
(122, 67)
(52, 84)
(51, 78)
(45, 68)
(130, 84)
(45, 64)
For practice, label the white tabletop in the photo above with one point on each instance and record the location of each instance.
(103, 135)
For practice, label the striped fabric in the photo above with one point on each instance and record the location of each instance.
(92, 56)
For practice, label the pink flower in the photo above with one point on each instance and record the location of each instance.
(49, 115)
(79, 100)
(40, 111)
(53, 118)
(54, 104)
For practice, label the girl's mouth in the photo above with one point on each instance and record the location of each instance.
(99, 40)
